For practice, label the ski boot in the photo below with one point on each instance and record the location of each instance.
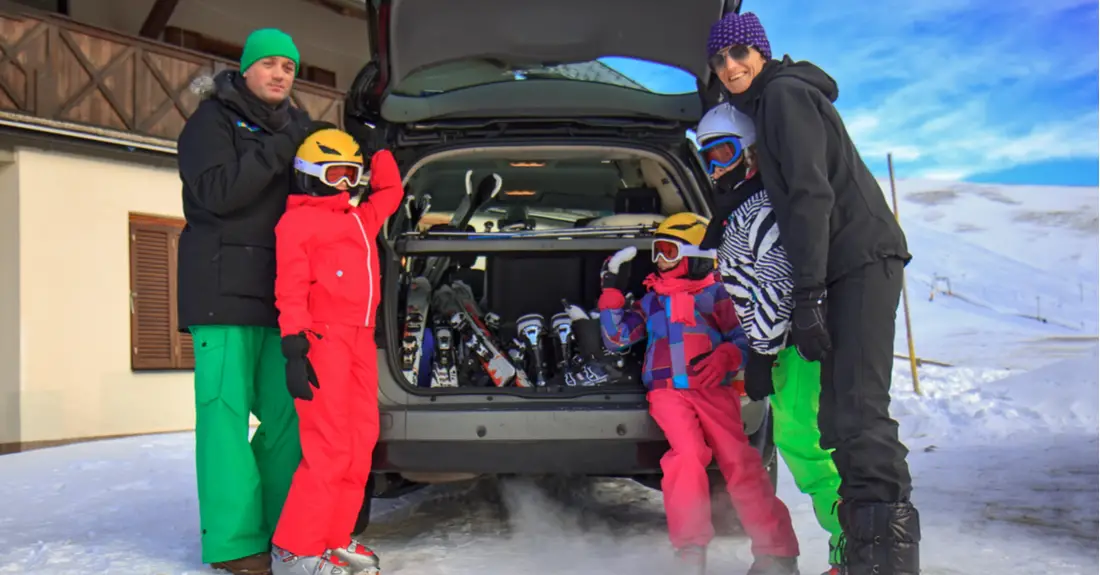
(362, 559)
(772, 565)
(284, 562)
(691, 560)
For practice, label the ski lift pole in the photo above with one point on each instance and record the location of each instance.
(904, 289)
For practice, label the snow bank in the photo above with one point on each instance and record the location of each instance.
(966, 405)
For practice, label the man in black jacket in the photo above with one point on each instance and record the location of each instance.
(235, 155)
(848, 255)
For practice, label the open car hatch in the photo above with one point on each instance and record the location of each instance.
(450, 59)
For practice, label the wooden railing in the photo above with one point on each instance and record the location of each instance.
(85, 78)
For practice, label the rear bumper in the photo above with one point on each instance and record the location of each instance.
(593, 457)
(562, 440)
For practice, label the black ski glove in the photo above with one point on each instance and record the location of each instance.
(758, 376)
(299, 371)
(809, 330)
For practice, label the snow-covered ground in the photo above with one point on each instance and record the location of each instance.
(1004, 442)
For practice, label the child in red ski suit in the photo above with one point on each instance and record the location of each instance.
(327, 288)
(695, 346)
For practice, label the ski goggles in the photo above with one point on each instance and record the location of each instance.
(673, 251)
(721, 153)
(332, 173)
(736, 52)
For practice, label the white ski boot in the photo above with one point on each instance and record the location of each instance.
(284, 562)
(362, 559)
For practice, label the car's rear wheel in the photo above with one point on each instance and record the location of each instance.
(723, 516)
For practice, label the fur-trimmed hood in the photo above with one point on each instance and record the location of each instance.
(203, 86)
(228, 88)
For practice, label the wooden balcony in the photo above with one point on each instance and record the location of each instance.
(58, 75)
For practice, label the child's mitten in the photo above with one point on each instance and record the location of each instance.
(712, 368)
(612, 275)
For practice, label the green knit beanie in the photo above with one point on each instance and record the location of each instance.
(268, 42)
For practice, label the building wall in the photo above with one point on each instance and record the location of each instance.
(324, 38)
(10, 419)
(74, 275)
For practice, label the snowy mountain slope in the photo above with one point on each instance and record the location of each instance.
(1005, 266)
(1048, 227)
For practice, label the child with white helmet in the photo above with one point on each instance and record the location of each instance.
(759, 278)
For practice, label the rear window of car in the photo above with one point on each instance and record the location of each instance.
(629, 73)
(548, 195)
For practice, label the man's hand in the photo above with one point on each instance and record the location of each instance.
(299, 371)
(809, 329)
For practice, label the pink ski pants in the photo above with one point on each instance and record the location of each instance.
(704, 423)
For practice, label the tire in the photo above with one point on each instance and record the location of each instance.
(723, 516)
(363, 520)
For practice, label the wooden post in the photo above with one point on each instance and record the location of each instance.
(904, 289)
(158, 18)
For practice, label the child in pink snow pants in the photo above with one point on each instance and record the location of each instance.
(695, 346)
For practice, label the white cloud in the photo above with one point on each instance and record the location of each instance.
(953, 88)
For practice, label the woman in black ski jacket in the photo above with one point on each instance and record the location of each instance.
(848, 255)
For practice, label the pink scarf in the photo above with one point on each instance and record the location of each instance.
(681, 293)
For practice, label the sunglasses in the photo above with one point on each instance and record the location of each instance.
(737, 52)
(332, 173)
(721, 153)
(673, 251)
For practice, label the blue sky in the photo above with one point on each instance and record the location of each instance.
(975, 90)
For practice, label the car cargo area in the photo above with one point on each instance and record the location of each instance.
(498, 290)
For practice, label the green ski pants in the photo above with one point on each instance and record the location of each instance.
(798, 438)
(242, 485)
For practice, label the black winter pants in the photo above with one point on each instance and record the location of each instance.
(855, 385)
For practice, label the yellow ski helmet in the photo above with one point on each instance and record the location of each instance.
(326, 158)
(679, 236)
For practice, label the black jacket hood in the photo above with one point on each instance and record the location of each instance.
(807, 72)
(229, 88)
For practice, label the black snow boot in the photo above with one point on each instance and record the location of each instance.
(880, 538)
(772, 565)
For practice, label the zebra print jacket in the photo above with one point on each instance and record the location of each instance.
(754, 265)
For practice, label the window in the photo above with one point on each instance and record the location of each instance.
(201, 43)
(54, 6)
(630, 73)
(155, 340)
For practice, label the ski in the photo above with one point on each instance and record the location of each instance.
(465, 318)
(476, 339)
(417, 303)
(563, 233)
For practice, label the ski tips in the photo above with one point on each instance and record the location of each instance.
(498, 183)
(469, 182)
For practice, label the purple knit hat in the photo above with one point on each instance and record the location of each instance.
(742, 29)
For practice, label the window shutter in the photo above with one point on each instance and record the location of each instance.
(151, 305)
(155, 340)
